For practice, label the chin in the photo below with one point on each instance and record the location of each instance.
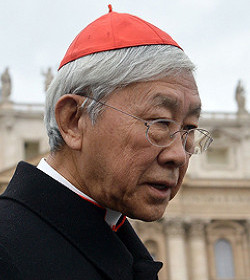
(148, 216)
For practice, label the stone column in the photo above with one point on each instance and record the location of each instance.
(248, 247)
(248, 232)
(198, 254)
(176, 260)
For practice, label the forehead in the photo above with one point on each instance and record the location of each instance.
(178, 93)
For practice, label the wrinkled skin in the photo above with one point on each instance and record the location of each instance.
(116, 165)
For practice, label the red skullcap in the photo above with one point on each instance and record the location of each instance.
(115, 31)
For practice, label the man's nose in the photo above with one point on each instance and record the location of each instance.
(174, 154)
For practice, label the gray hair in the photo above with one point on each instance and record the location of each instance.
(99, 74)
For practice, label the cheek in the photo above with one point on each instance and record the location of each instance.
(115, 180)
(128, 152)
(121, 181)
(128, 166)
(119, 158)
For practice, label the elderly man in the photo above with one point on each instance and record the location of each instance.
(122, 119)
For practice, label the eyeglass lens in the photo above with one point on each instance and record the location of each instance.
(162, 133)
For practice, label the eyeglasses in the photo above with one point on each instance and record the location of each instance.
(163, 132)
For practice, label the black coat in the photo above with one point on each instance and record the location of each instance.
(49, 232)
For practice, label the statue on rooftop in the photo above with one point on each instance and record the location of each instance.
(6, 85)
(240, 98)
(48, 78)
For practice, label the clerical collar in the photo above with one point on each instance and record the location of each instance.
(111, 217)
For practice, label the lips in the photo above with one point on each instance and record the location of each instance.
(160, 189)
(159, 186)
(158, 192)
(162, 184)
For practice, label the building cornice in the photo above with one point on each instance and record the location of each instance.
(214, 182)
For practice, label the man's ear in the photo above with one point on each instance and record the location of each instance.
(68, 114)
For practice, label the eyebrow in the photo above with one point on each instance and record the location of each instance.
(165, 101)
(195, 110)
(169, 102)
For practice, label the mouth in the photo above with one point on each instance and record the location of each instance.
(159, 190)
(162, 185)
(159, 186)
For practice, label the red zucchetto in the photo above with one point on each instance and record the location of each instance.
(115, 31)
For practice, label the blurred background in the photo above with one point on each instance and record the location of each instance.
(205, 232)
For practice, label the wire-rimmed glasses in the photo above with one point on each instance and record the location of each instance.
(163, 132)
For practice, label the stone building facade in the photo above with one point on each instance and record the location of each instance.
(22, 133)
(205, 232)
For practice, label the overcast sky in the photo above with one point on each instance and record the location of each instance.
(215, 34)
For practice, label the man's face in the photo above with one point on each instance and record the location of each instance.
(118, 167)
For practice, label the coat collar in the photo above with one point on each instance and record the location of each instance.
(111, 217)
(80, 222)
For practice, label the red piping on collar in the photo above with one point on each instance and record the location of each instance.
(93, 202)
(116, 227)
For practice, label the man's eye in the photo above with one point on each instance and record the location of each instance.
(189, 127)
(166, 122)
(163, 123)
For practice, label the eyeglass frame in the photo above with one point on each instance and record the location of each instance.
(149, 123)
